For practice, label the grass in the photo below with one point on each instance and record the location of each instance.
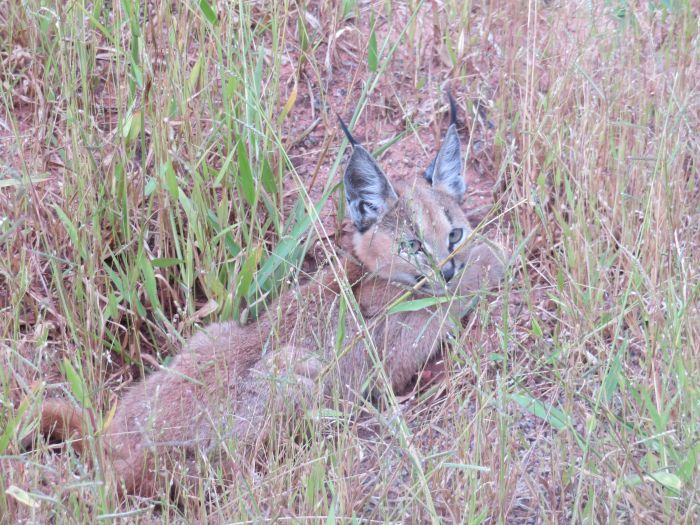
(166, 167)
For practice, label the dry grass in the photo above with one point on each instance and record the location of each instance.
(158, 163)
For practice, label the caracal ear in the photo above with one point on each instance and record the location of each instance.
(367, 190)
(445, 172)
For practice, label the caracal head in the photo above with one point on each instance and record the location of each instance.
(407, 233)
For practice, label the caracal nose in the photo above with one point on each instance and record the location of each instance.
(448, 271)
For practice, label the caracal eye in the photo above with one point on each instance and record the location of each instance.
(411, 247)
(456, 236)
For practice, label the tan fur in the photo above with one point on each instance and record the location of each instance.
(63, 422)
(228, 379)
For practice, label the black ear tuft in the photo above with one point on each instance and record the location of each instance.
(368, 192)
(445, 171)
(453, 108)
(345, 129)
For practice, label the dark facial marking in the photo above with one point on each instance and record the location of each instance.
(447, 215)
